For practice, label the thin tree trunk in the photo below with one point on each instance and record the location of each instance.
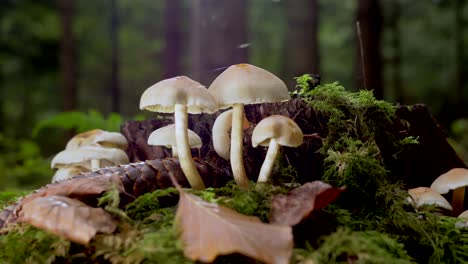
(396, 45)
(302, 47)
(114, 87)
(68, 56)
(370, 61)
(218, 37)
(172, 35)
(461, 79)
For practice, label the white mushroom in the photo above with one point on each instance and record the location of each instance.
(275, 131)
(456, 180)
(239, 85)
(426, 196)
(181, 95)
(85, 155)
(66, 173)
(165, 136)
(221, 129)
(98, 137)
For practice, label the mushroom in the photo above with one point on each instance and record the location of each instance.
(98, 137)
(456, 180)
(181, 95)
(426, 196)
(86, 157)
(239, 85)
(274, 131)
(221, 129)
(464, 215)
(165, 136)
(66, 173)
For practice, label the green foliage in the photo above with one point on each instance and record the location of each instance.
(21, 164)
(345, 246)
(80, 122)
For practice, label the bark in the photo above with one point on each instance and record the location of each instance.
(302, 44)
(369, 61)
(218, 32)
(68, 56)
(173, 38)
(461, 71)
(114, 86)
(418, 165)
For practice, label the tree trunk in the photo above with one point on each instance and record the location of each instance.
(172, 36)
(461, 79)
(396, 46)
(68, 56)
(302, 45)
(114, 89)
(370, 60)
(218, 37)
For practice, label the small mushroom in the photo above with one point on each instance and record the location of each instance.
(66, 173)
(243, 84)
(221, 129)
(426, 196)
(165, 136)
(456, 180)
(181, 95)
(98, 137)
(85, 156)
(464, 215)
(275, 131)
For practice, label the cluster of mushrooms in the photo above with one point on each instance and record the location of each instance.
(90, 151)
(237, 86)
(454, 181)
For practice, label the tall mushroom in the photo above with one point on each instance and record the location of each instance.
(221, 128)
(165, 136)
(273, 132)
(239, 85)
(181, 95)
(455, 179)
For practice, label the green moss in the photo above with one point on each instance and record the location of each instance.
(345, 245)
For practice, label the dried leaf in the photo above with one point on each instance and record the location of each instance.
(209, 230)
(67, 217)
(80, 187)
(293, 208)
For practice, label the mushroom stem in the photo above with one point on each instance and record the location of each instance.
(269, 161)
(175, 154)
(458, 198)
(183, 149)
(237, 140)
(95, 164)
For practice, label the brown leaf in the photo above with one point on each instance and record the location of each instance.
(209, 230)
(80, 187)
(293, 208)
(67, 217)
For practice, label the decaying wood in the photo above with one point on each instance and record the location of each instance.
(417, 165)
(132, 180)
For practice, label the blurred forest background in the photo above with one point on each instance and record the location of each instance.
(96, 58)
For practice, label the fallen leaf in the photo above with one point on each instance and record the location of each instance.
(80, 187)
(293, 208)
(67, 217)
(209, 230)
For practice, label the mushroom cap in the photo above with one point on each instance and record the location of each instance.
(426, 196)
(98, 137)
(248, 84)
(221, 138)
(464, 215)
(66, 173)
(165, 136)
(451, 180)
(83, 156)
(162, 96)
(282, 128)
